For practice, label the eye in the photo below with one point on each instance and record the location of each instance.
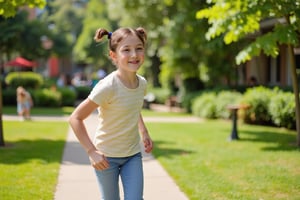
(140, 49)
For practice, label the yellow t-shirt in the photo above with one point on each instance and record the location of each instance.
(117, 134)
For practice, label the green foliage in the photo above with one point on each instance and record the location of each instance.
(65, 19)
(68, 96)
(47, 98)
(86, 50)
(225, 98)
(282, 34)
(205, 106)
(18, 34)
(213, 104)
(161, 94)
(82, 92)
(25, 79)
(282, 109)
(258, 98)
(236, 19)
(9, 8)
(188, 99)
(9, 96)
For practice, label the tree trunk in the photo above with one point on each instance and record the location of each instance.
(1, 126)
(296, 90)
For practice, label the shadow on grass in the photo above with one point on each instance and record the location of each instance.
(163, 149)
(274, 141)
(23, 151)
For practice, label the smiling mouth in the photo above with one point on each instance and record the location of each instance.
(134, 62)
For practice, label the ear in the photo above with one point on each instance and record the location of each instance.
(113, 56)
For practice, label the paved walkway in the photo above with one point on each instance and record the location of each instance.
(77, 180)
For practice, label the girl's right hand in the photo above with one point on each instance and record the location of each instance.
(98, 160)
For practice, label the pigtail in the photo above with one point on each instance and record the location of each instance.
(100, 33)
(142, 33)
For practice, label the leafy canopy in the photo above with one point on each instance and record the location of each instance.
(8, 8)
(237, 19)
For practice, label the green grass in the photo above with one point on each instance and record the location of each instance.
(11, 110)
(263, 164)
(29, 164)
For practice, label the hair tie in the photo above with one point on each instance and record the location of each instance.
(109, 35)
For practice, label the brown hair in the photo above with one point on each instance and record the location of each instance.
(117, 36)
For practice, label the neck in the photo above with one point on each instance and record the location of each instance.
(130, 80)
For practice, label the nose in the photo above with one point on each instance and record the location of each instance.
(133, 53)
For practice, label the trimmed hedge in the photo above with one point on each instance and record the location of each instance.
(26, 79)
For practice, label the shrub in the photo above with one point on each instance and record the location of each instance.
(258, 98)
(9, 96)
(25, 79)
(282, 109)
(47, 97)
(82, 92)
(161, 94)
(188, 99)
(68, 96)
(225, 98)
(204, 105)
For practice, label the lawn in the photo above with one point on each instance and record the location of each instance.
(12, 110)
(29, 164)
(263, 164)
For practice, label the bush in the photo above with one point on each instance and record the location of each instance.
(68, 96)
(82, 92)
(9, 96)
(161, 94)
(225, 98)
(47, 98)
(258, 98)
(282, 109)
(204, 105)
(25, 79)
(188, 99)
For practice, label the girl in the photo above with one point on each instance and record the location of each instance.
(115, 150)
(24, 103)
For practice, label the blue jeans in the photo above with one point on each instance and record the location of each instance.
(130, 169)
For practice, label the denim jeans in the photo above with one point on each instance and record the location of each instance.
(130, 169)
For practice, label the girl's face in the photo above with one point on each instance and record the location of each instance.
(129, 55)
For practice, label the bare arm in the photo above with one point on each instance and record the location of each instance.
(76, 121)
(148, 143)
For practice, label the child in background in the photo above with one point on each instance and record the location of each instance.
(24, 103)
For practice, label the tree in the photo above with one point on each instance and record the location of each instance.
(235, 20)
(86, 50)
(64, 19)
(10, 8)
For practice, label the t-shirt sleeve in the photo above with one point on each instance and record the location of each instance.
(144, 84)
(101, 93)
